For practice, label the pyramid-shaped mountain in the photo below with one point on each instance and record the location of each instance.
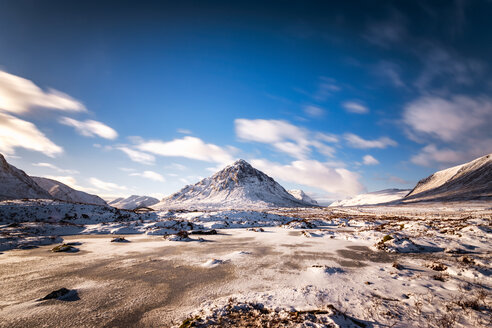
(237, 186)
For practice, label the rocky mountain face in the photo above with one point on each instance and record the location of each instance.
(16, 184)
(237, 186)
(372, 198)
(133, 202)
(301, 195)
(469, 181)
(65, 193)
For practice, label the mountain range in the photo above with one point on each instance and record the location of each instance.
(242, 186)
(134, 201)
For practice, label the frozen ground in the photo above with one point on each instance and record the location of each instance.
(403, 266)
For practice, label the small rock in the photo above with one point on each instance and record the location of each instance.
(64, 248)
(119, 240)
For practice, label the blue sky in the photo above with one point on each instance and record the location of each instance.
(142, 98)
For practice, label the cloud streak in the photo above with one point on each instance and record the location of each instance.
(358, 142)
(336, 181)
(355, 107)
(90, 128)
(138, 156)
(187, 147)
(285, 137)
(17, 133)
(19, 96)
(151, 175)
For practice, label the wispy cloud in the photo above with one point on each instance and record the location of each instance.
(151, 175)
(457, 129)
(327, 87)
(106, 186)
(387, 32)
(358, 142)
(336, 181)
(369, 160)
(187, 147)
(314, 111)
(138, 156)
(19, 95)
(54, 167)
(284, 137)
(355, 107)
(17, 133)
(90, 128)
(184, 131)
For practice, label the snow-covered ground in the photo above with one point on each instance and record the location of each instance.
(374, 266)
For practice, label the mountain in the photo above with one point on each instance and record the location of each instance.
(16, 184)
(238, 186)
(301, 195)
(65, 193)
(376, 197)
(133, 202)
(469, 181)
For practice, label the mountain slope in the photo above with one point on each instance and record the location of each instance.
(371, 198)
(133, 202)
(16, 184)
(301, 195)
(63, 192)
(469, 181)
(237, 186)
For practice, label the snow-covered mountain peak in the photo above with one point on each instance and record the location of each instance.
(238, 185)
(16, 184)
(134, 201)
(472, 180)
(65, 193)
(301, 195)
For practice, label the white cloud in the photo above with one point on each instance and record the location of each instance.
(355, 107)
(283, 136)
(358, 142)
(138, 156)
(175, 166)
(15, 133)
(336, 181)
(390, 71)
(149, 175)
(188, 147)
(314, 111)
(440, 64)
(56, 168)
(268, 131)
(90, 128)
(457, 129)
(448, 119)
(431, 154)
(184, 131)
(370, 160)
(326, 88)
(19, 95)
(326, 137)
(107, 186)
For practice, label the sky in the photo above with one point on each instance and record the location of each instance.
(140, 97)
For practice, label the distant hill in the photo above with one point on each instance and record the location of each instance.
(237, 186)
(16, 184)
(372, 198)
(65, 193)
(469, 181)
(301, 195)
(133, 202)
